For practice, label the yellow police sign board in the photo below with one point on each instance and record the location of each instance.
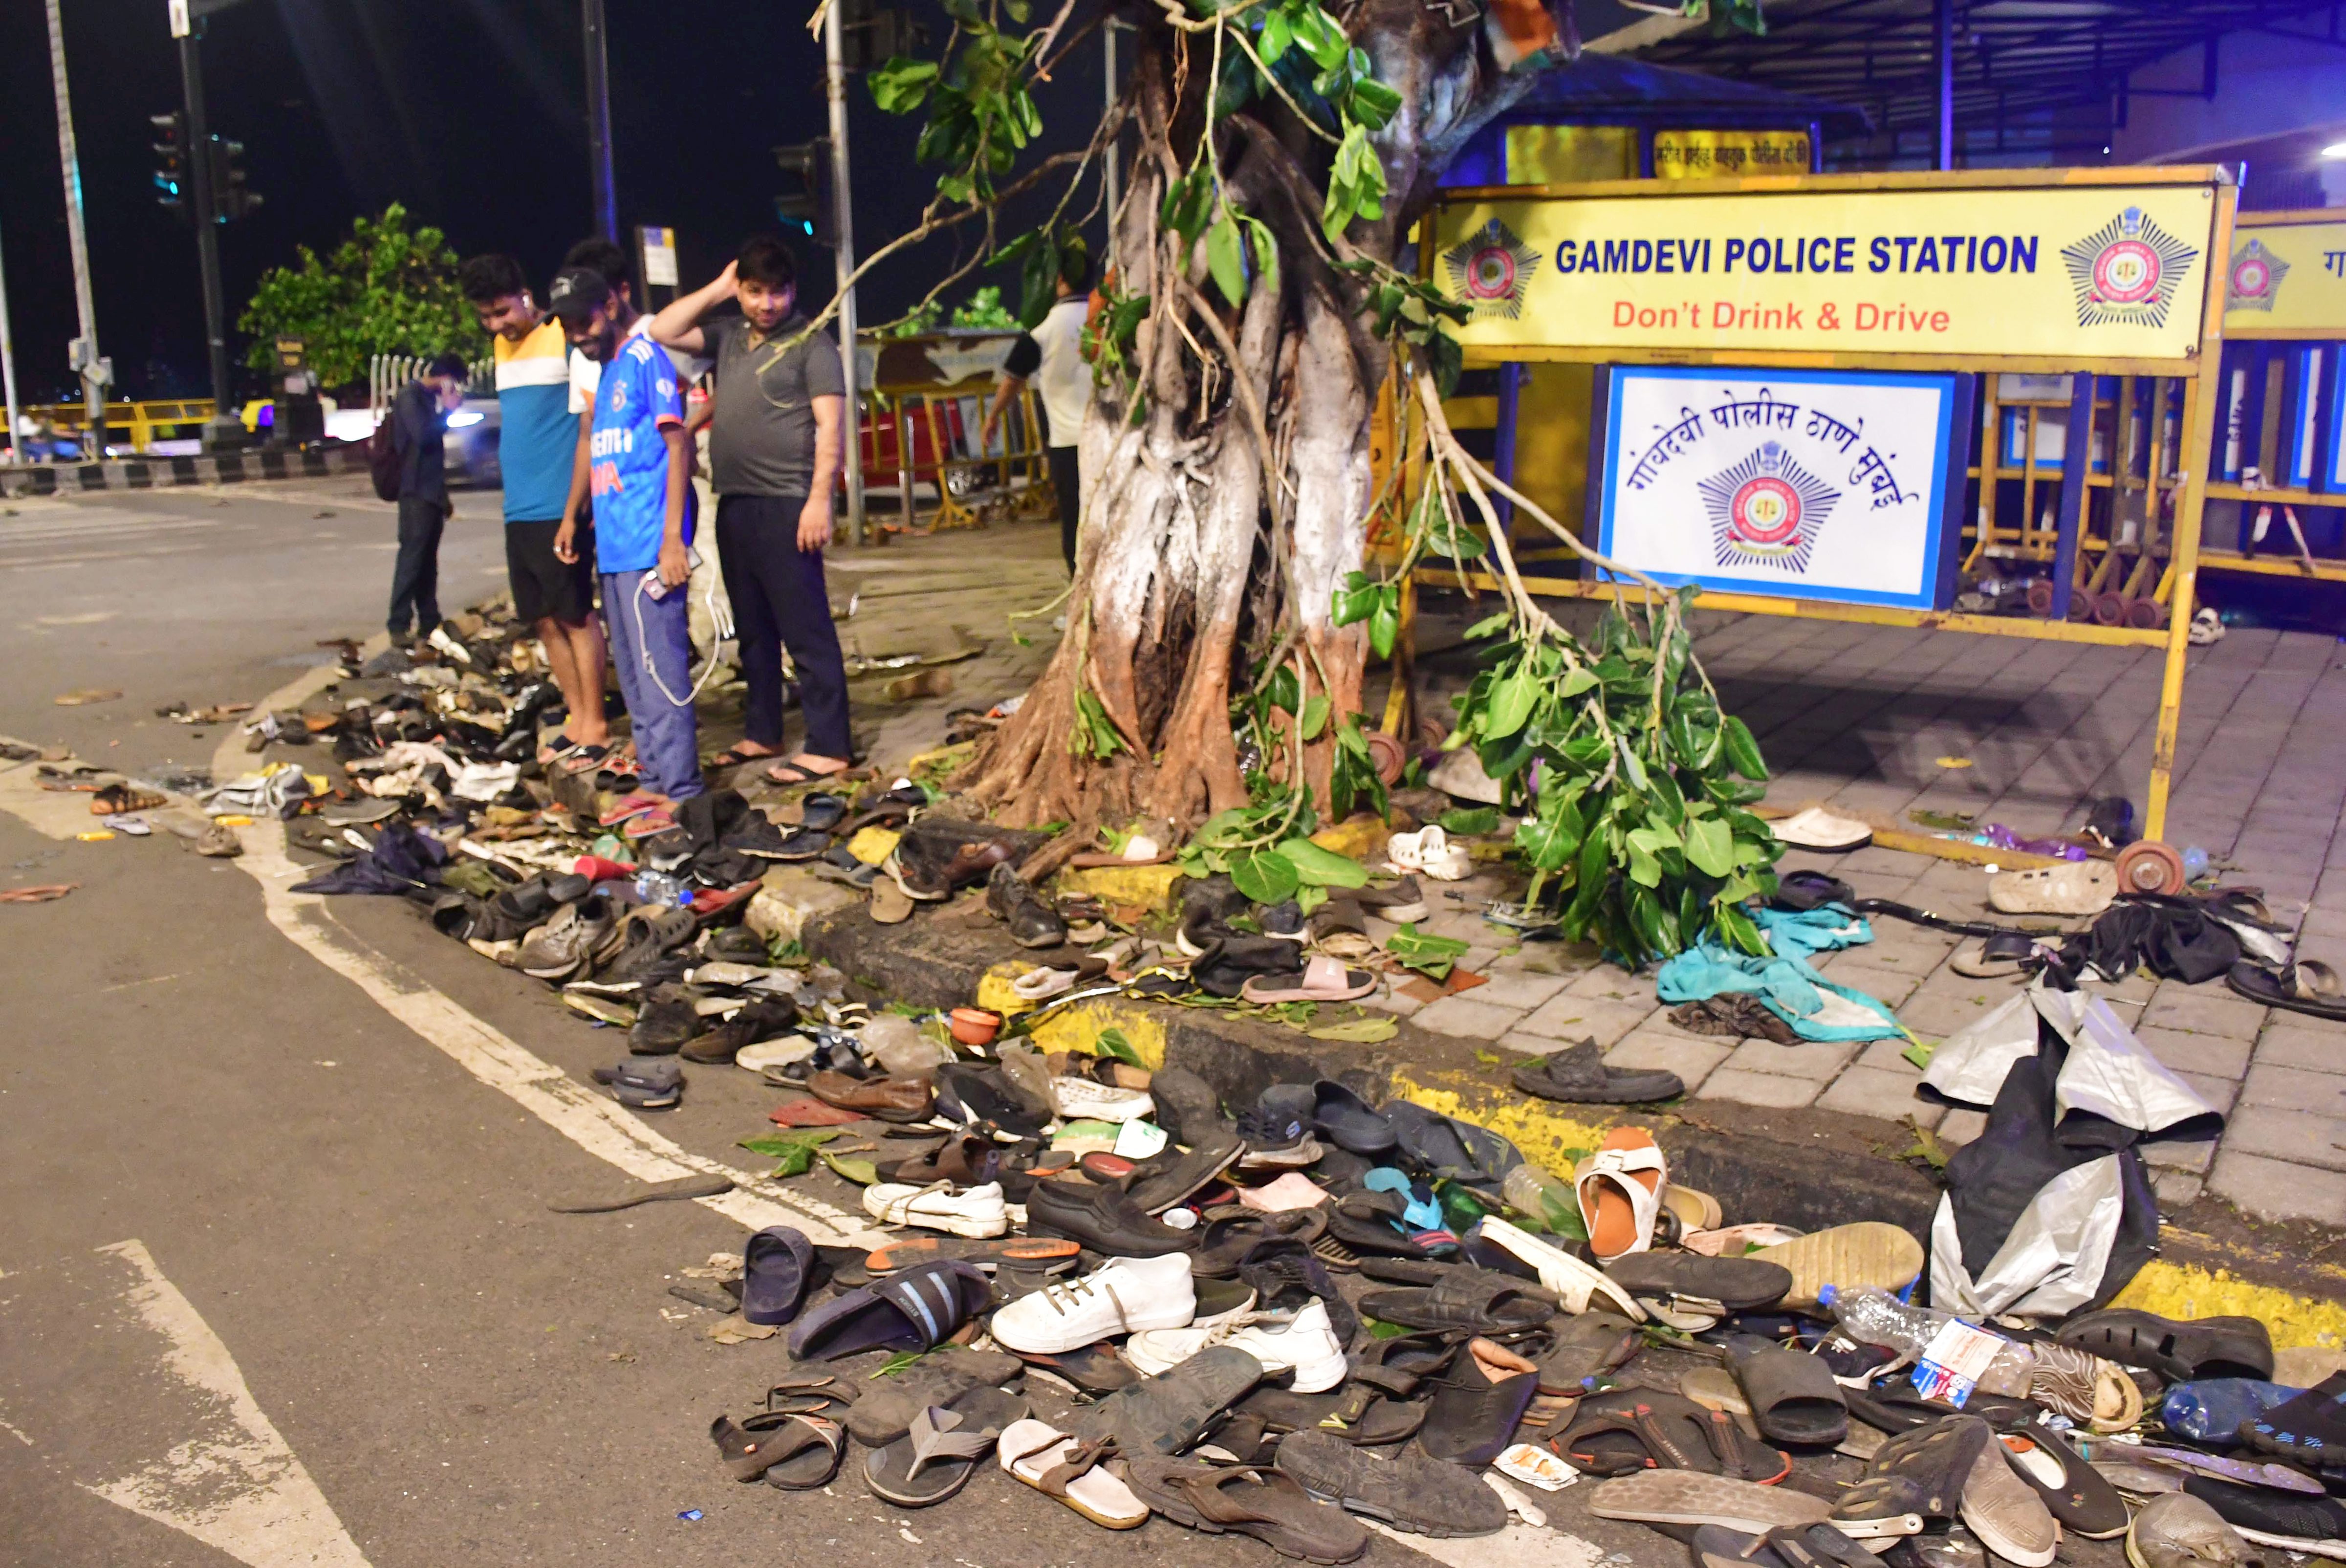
(1709, 154)
(2287, 277)
(2078, 273)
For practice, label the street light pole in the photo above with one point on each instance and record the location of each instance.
(95, 371)
(1109, 170)
(834, 73)
(8, 369)
(598, 123)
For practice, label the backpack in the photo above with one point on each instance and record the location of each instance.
(382, 458)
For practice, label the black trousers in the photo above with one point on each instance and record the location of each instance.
(415, 577)
(1067, 478)
(778, 598)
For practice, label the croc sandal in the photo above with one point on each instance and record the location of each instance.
(1267, 1504)
(1867, 1253)
(937, 1456)
(2308, 986)
(777, 1266)
(2178, 1350)
(1057, 1465)
(792, 1452)
(1619, 1188)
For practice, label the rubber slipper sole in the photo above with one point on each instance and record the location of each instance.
(1869, 1253)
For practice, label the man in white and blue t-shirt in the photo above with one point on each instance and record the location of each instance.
(640, 480)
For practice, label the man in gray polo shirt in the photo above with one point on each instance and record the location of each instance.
(775, 455)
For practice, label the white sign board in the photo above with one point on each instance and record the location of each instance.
(1813, 484)
(659, 257)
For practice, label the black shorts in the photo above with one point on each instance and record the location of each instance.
(545, 586)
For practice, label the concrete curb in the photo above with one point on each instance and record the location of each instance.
(164, 473)
(1807, 1169)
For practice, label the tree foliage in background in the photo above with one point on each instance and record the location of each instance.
(386, 290)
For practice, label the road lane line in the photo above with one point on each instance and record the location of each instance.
(235, 1486)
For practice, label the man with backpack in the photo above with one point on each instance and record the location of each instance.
(406, 459)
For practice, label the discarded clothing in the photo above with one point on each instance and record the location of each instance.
(2051, 1209)
(277, 791)
(1798, 933)
(401, 861)
(1814, 1007)
(2193, 940)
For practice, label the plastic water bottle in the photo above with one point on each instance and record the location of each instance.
(1874, 1317)
(660, 888)
(2195, 863)
(1531, 1191)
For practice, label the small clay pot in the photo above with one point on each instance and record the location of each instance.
(974, 1025)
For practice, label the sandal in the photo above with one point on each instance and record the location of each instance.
(1267, 1504)
(787, 773)
(795, 1452)
(2002, 957)
(936, 1458)
(734, 757)
(581, 758)
(2309, 985)
(1619, 1187)
(116, 798)
(1322, 980)
(1057, 1465)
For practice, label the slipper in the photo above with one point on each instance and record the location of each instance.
(1818, 828)
(734, 757)
(1786, 1546)
(629, 807)
(1623, 1430)
(917, 1310)
(1587, 1346)
(786, 1449)
(651, 1192)
(1575, 1283)
(2000, 957)
(579, 760)
(1271, 1505)
(777, 1264)
(1445, 1147)
(1717, 1284)
(123, 797)
(2071, 888)
(1408, 1492)
(935, 1459)
(1735, 1241)
(1714, 1388)
(2306, 986)
(890, 904)
(1691, 1498)
(2083, 1503)
(788, 773)
(985, 1253)
(1057, 1465)
(1924, 1471)
(1620, 1190)
(1477, 1404)
(1867, 1253)
(1793, 1395)
(1696, 1211)
(1322, 980)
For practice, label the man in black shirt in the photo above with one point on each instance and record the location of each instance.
(419, 421)
(774, 455)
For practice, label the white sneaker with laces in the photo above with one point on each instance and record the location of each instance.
(1304, 1344)
(1081, 1099)
(979, 1212)
(1125, 1295)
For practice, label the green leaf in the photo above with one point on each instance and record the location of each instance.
(1511, 704)
(1491, 626)
(1266, 876)
(860, 1171)
(1463, 819)
(1310, 899)
(1323, 868)
(1314, 719)
(1357, 1031)
(793, 1152)
(902, 85)
(1408, 941)
(1266, 251)
(1284, 693)
(1110, 1043)
(1709, 847)
(1632, 767)
(1226, 258)
(1735, 928)
(1275, 38)
(1384, 621)
(1645, 869)
(1743, 752)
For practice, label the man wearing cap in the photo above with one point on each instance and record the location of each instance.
(639, 479)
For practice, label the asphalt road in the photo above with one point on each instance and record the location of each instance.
(278, 1281)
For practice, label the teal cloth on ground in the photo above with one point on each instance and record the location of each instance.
(1420, 1213)
(1791, 988)
(1796, 933)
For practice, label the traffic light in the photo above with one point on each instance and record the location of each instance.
(806, 210)
(231, 199)
(172, 171)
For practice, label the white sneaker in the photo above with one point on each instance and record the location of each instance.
(1122, 1296)
(1304, 1344)
(978, 1212)
(1081, 1099)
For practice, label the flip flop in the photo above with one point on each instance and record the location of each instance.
(1038, 1249)
(1867, 1253)
(1323, 980)
(1696, 1211)
(1818, 828)
(776, 1265)
(651, 1192)
(1055, 1464)
(785, 1449)
(734, 757)
(2001, 957)
(1793, 1395)
(1267, 1504)
(1619, 1187)
(2308, 986)
(2071, 888)
(798, 775)
(1691, 1498)
(936, 1458)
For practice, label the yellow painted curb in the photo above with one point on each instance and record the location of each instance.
(993, 992)
(1149, 887)
(873, 845)
(2182, 1290)
(1361, 837)
(1078, 1026)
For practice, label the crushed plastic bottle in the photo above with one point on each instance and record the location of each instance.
(660, 888)
(2195, 863)
(1874, 1316)
(1531, 1191)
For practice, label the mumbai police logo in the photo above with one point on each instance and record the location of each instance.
(2255, 278)
(2126, 273)
(1490, 268)
(1767, 510)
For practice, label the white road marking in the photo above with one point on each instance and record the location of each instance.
(234, 1484)
(1519, 1545)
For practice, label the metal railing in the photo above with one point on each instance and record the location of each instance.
(142, 420)
(386, 373)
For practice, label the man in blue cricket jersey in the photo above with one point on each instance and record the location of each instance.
(640, 479)
(536, 443)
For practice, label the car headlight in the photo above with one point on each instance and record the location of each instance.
(464, 417)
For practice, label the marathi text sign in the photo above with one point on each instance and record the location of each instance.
(2286, 278)
(1726, 154)
(1814, 485)
(2081, 273)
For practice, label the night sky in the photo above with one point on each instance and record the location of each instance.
(470, 112)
